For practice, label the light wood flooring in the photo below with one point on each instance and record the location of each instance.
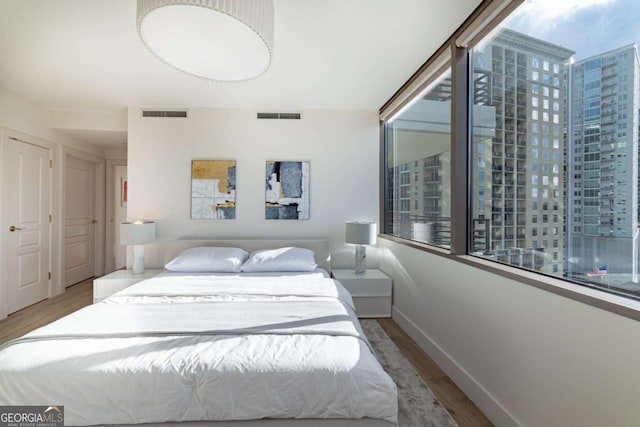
(459, 406)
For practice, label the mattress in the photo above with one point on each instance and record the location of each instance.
(185, 347)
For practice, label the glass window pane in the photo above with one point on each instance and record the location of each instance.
(585, 192)
(418, 145)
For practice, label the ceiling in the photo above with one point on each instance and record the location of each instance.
(85, 55)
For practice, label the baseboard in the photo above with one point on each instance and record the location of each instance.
(474, 390)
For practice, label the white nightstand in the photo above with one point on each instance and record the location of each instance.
(371, 291)
(111, 283)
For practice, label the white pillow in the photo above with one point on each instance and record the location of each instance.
(283, 259)
(209, 259)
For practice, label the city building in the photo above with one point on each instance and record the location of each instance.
(520, 188)
(602, 164)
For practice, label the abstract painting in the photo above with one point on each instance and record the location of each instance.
(287, 190)
(213, 189)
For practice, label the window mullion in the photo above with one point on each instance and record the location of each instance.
(459, 150)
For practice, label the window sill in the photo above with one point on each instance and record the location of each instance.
(585, 294)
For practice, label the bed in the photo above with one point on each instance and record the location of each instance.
(262, 347)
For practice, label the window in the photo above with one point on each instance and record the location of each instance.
(550, 140)
(590, 115)
(420, 136)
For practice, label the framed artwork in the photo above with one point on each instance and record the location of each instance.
(213, 189)
(287, 190)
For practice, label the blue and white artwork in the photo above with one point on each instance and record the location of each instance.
(287, 190)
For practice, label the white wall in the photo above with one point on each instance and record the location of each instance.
(342, 147)
(19, 114)
(524, 355)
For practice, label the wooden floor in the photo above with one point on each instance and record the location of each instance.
(44, 312)
(459, 406)
(457, 403)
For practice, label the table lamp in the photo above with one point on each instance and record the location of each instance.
(137, 233)
(361, 233)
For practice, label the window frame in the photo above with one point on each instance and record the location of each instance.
(457, 48)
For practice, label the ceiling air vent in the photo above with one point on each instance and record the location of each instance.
(280, 116)
(182, 114)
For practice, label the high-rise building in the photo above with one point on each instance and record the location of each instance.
(521, 186)
(517, 172)
(602, 163)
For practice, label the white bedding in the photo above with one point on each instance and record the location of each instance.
(183, 347)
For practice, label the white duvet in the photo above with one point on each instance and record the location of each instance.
(194, 347)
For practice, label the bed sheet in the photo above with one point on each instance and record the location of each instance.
(158, 374)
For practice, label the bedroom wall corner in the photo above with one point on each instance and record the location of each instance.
(525, 356)
(341, 145)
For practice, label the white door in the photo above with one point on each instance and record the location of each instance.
(79, 222)
(28, 196)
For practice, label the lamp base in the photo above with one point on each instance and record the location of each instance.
(361, 259)
(138, 259)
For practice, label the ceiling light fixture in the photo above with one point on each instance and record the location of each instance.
(220, 40)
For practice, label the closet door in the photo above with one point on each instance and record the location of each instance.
(79, 222)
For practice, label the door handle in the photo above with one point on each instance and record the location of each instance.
(14, 228)
(94, 221)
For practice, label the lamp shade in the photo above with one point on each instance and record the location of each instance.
(218, 40)
(361, 233)
(137, 233)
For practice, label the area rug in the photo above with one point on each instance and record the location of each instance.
(417, 406)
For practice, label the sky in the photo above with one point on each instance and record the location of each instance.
(588, 27)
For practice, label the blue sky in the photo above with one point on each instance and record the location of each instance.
(588, 27)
